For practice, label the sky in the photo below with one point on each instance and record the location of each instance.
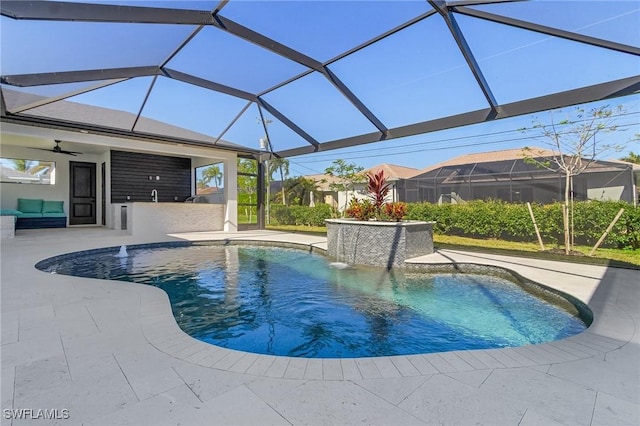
(414, 75)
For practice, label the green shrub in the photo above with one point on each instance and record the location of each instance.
(281, 215)
(319, 213)
(301, 215)
(511, 221)
(502, 220)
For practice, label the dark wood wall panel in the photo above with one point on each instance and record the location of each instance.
(130, 173)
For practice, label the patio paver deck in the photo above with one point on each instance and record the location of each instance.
(111, 353)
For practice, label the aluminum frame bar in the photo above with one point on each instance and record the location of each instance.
(52, 99)
(265, 42)
(285, 120)
(468, 55)
(144, 103)
(612, 89)
(455, 3)
(67, 11)
(382, 36)
(355, 101)
(41, 79)
(208, 84)
(568, 35)
(92, 12)
(235, 119)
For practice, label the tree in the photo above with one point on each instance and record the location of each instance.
(35, 168)
(202, 184)
(214, 173)
(632, 157)
(574, 145)
(247, 183)
(348, 174)
(21, 165)
(300, 189)
(281, 165)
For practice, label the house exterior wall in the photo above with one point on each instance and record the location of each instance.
(15, 137)
(10, 192)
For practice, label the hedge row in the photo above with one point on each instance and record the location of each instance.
(501, 220)
(507, 221)
(301, 215)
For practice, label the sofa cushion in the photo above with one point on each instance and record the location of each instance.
(29, 215)
(54, 215)
(9, 212)
(52, 207)
(28, 205)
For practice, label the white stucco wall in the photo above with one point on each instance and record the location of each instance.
(230, 183)
(10, 192)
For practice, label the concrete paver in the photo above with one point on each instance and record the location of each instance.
(111, 353)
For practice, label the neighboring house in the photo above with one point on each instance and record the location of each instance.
(340, 199)
(505, 175)
(212, 194)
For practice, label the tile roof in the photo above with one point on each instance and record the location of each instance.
(486, 157)
(392, 172)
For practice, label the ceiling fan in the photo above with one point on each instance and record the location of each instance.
(58, 150)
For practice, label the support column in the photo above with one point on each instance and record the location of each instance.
(231, 195)
(260, 195)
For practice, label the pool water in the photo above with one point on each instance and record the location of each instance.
(291, 302)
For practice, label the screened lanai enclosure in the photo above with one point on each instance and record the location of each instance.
(287, 78)
(309, 75)
(518, 180)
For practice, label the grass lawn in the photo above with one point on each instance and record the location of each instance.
(602, 256)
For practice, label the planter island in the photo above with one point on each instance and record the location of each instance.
(378, 243)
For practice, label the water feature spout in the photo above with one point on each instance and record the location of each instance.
(122, 252)
(339, 263)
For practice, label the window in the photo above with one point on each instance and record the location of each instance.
(210, 182)
(17, 170)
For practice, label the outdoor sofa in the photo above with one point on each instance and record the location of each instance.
(37, 213)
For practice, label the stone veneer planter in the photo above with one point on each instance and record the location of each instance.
(385, 244)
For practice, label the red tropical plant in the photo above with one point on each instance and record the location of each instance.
(360, 210)
(396, 211)
(378, 189)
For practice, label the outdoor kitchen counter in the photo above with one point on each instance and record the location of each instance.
(155, 219)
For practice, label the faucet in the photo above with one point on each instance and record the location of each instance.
(154, 195)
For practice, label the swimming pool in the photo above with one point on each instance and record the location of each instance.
(287, 301)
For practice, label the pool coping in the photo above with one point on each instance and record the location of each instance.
(162, 331)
